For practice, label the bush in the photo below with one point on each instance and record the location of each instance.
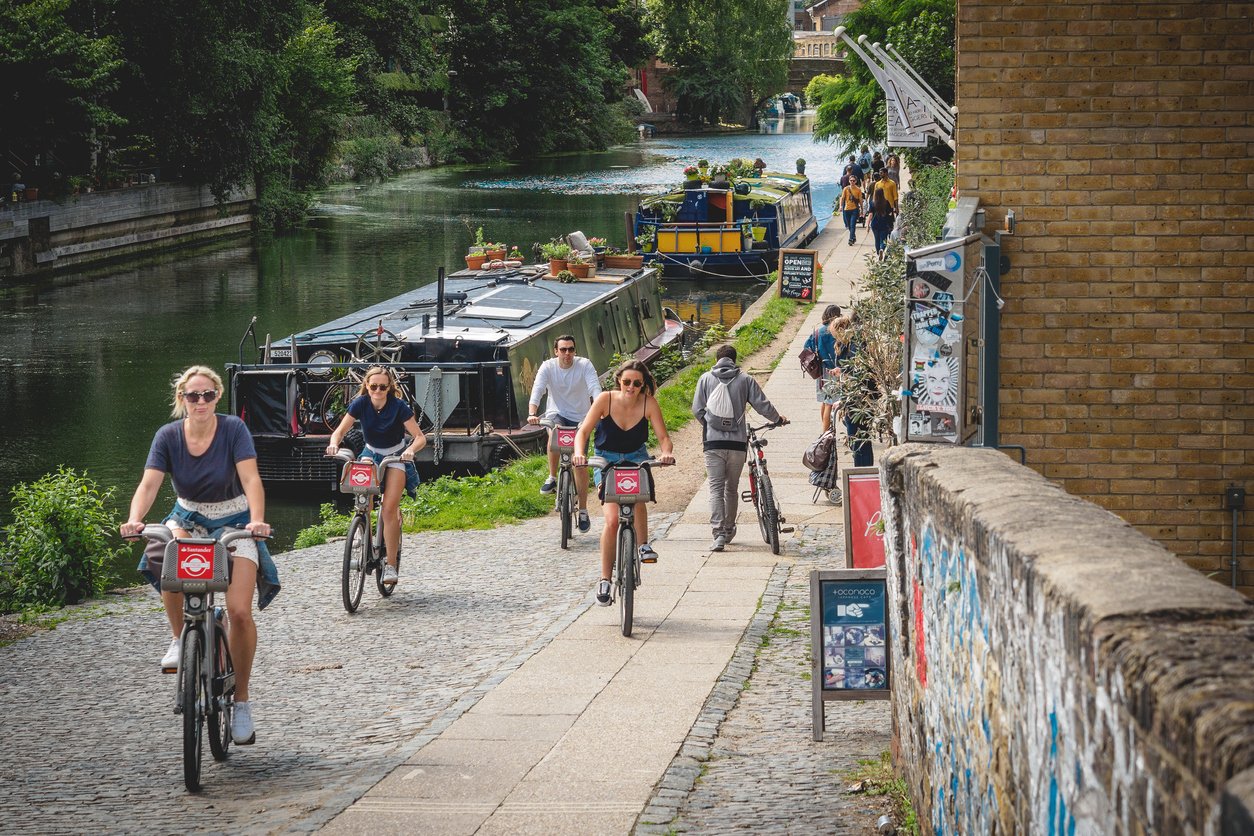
(59, 549)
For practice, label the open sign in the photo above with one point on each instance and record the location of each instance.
(195, 561)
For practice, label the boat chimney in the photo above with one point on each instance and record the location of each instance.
(439, 301)
(426, 323)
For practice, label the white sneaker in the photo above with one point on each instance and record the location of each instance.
(171, 657)
(390, 576)
(242, 731)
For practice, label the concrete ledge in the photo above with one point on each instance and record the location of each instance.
(1054, 667)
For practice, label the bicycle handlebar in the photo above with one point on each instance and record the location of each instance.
(163, 534)
(347, 456)
(551, 424)
(601, 462)
(768, 426)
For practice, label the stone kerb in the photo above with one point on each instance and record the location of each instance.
(1054, 669)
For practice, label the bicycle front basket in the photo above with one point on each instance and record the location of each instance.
(361, 476)
(195, 564)
(562, 439)
(627, 484)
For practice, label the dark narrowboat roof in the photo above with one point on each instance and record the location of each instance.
(505, 306)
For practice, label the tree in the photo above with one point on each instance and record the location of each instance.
(851, 107)
(727, 56)
(534, 76)
(54, 84)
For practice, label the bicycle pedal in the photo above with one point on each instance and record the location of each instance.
(170, 670)
(787, 529)
(746, 496)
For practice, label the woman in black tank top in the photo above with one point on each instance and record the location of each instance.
(620, 420)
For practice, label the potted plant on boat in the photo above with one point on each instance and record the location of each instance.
(566, 277)
(580, 266)
(647, 238)
(556, 252)
(515, 254)
(481, 243)
(703, 169)
(692, 178)
(475, 261)
(618, 258)
(495, 251)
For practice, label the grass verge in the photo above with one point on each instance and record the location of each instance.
(877, 778)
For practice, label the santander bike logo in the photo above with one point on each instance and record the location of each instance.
(195, 561)
(566, 438)
(626, 483)
(360, 475)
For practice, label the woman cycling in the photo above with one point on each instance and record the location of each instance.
(213, 465)
(385, 417)
(620, 422)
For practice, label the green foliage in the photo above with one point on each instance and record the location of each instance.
(566, 277)
(924, 207)
(850, 108)
(726, 60)
(60, 547)
(871, 380)
(878, 778)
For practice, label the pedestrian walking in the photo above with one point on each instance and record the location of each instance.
(851, 206)
(881, 222)
(720, 401)
(823, 343)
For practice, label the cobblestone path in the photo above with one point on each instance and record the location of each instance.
(750, 763)
(92, 743)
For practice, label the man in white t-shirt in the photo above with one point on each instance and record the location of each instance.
(571, 384)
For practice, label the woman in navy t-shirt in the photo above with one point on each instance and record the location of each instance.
(385, 417)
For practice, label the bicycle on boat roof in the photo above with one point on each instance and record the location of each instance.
(365, 550)
(199, 567)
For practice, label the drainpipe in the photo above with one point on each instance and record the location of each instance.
(1234, 498)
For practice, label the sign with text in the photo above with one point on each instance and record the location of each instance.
(848, 638)
(798, 273)
(864, 527)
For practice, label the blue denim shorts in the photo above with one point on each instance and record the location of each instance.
(411, 472)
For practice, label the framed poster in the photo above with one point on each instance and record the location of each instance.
(798, 272)
(848, 638)
(864, 527)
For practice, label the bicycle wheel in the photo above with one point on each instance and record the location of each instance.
(191, 701)
(356, 560)
(222, 696)
(755, 491)
(626, 576)
(565, 505)
(768, 515)
(381, 549)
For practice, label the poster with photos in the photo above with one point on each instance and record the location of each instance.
(855, 653)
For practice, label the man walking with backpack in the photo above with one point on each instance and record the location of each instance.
(722, 395)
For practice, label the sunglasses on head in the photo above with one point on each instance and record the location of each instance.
(209, 396)
(379, 387)
(634, 383)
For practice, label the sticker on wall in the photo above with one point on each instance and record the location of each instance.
(936, 280)
(939, 391)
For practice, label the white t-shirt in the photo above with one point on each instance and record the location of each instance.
(570, 390)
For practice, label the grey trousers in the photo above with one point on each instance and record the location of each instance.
(724, 468)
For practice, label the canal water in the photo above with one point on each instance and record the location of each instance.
(85, 360)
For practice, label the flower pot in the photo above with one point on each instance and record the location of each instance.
(475, 261)
(497, 254)
(624, 262)
(556, 265)
(580, 270)
(32, 193)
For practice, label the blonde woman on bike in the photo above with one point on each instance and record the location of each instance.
(213, 465)
(619, 422)
(385, 418)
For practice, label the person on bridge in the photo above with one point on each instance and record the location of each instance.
(572, 384)
(720, 402)
(385, 418)
(213, 466)
(632, 404)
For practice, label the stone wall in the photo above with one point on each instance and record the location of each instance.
(45, 235)
(1054, 670)
(1122, 136)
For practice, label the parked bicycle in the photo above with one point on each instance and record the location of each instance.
(365, 550)
(562, 439)
(626, 483)
(761, 492)
(199, 567)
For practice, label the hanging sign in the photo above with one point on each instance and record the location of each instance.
(798, 274)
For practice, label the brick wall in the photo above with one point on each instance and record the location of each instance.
(1122, 135)
(1054, 671)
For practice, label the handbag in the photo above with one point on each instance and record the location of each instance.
(819, 453)
(811, 362)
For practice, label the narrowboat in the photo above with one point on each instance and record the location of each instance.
(465, 350)
(726, 226)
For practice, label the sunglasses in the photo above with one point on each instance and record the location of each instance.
(209, 396)
(632, 382)
(379, 387)
(570, 350)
